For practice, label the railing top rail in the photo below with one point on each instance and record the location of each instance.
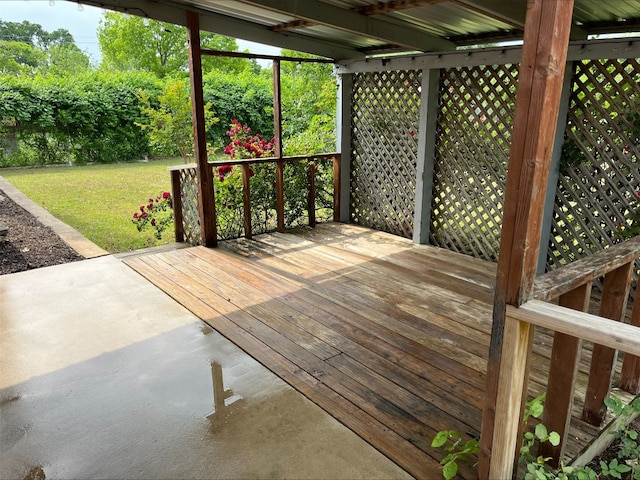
(610, 333)
(565, 279)
(241, 161)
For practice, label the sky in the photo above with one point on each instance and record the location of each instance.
(80, 20)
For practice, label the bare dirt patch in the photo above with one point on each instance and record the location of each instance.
(28, 243)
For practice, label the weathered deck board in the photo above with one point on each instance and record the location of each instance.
(389, 337)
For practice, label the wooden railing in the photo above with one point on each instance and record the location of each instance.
(570, 286)
(184, 178)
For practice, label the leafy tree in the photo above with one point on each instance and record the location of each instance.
(245, 97)
(309, 96)
(26, 48)
(18, 57)
(131, 43)
(169, 125)
(34, 35)
(67, 60)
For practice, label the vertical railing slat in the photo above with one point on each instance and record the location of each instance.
(311, 196)
(565, 359)
(630, 377)
(615, 292)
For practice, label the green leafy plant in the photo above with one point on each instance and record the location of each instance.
(157, 214)
(457, 451)
(534, 466)
(627, 438)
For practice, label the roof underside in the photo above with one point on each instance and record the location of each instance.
(352, 29)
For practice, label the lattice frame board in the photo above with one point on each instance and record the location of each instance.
(476, 107)
(600, 173)
(189, 196)
(384, 148)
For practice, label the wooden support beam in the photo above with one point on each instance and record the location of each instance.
(345, 83)
(427, 131)
(615, 292)
(544, 52)
(277, 134)
(630, 377)
(563, 368)
(518, 337)
(206, 198)
(554, 172)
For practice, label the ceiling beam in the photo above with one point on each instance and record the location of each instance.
(510, 13)
(176, 14)
(353, 22)
(513, 16)
(394, 6)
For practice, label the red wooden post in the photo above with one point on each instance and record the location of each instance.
(546, 37)
(277, 130)
(630, 377)
(176, 198)
(615, 292)
(565, 360)
(206, 198)
(311, 199)
(246, 199)
(336, 188)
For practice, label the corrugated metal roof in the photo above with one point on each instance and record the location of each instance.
(343, 29)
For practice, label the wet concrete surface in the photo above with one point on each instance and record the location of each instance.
(104, 376)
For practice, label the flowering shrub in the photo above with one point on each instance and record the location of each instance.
(158, 214)
(244, 145)
(229, 188)
(631, 227)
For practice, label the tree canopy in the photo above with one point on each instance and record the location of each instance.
(26, 48)
(131, 43)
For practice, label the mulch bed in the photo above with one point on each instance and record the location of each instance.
(28, 243)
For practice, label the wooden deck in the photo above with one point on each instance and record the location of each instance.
(389, 337)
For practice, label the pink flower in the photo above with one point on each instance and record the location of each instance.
(166, 195)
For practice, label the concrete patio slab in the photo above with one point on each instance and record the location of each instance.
(104, 376)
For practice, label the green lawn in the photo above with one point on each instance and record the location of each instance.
(98, 200)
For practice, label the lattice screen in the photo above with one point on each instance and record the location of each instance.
(385, 117)
(472, 150)
(599, 174)
(189, 194)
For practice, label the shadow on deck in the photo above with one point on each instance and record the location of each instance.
(389, 337)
